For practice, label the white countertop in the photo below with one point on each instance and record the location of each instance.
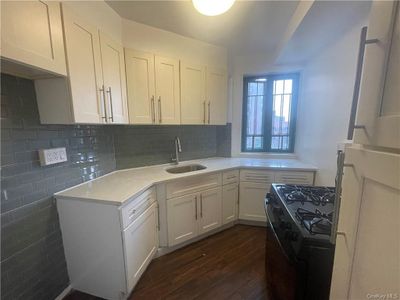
(119, 186)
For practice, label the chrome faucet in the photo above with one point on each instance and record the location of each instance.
(178, 149)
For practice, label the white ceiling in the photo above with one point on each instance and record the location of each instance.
(248, 27)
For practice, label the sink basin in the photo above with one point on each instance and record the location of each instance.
(185, 169)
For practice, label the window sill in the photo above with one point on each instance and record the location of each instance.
(267, 155)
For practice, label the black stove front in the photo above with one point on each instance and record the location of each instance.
(300, 224)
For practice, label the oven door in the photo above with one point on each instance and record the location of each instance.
(284, 273)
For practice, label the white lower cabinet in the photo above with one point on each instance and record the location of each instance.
(108, 247)
(193, 214)
(252, 195)
(182, 218)
(230, 201)
(256, 183)
(140, 244)
(210, 210)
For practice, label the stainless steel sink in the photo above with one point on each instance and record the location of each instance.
(185, 169)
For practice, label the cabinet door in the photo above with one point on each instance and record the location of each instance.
(140, 244)
(251, 201)
(84, 68)
(167, 90)
(210, 204)
(182, 215)
(193, 89)
(32, 34)
(113, 63)
(217, 94)
(378, 114)
(230, 199)
(367, 254)
(140, 85)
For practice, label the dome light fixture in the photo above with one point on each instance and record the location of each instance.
(212, 7)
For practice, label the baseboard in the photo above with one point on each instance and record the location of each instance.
(64, 293)
(165, 250)
(253, 223)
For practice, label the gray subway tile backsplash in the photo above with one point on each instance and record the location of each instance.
(32, 257)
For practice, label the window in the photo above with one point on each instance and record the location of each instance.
(269, 113)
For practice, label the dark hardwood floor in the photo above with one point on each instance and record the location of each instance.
(227, 265)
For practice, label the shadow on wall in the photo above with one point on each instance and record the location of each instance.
(32, 257)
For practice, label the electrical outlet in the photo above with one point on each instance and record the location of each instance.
(52, 156)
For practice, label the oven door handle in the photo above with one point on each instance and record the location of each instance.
(277, 239)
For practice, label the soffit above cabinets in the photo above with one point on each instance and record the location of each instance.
(322, 25)
(248, 27)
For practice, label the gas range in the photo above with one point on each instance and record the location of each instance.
(300, 225)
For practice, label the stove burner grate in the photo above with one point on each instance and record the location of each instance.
(303, 194)
(315, 222)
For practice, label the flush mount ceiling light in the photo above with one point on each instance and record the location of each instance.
(212, 7)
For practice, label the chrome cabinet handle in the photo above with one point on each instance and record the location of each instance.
(159, 109)
(357, 83)
(111, 104)
(209, 114)
(204, 112)
(158, 217)
(201, 206)
(195, 205)
(153, 111)
(103, 103)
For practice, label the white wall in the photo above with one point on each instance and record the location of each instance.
(150, 39)
(326, 90)
(146, 38)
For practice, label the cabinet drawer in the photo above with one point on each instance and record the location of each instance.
(294, 177)
(193, 184)
(263, 176)
(138, 205)
(230, 177)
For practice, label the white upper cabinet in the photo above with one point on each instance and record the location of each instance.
(32, 35)
(193, 94)
(141, 89)
(84, 69)
(153, 88)
(217, 86)
(167, 90)
(113, 63)
(378, 114)
(95, 90)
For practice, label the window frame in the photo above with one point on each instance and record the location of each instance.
(267, 112)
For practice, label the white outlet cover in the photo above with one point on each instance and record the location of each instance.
(52, 156)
